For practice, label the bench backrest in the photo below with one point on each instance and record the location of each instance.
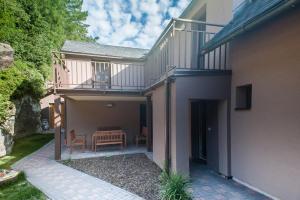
(109, 136)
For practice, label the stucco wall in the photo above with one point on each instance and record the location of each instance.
(85, 116)
(205, 87)
(217, 11)
(159, 125)
(265, 140)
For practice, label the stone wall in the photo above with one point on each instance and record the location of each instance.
(6, 55)
(27, 117)
(6, 129)
(24, 115)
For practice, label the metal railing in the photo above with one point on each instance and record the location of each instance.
(83, 74)
(180, 46)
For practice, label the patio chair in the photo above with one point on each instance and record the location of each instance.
(77, 140)
(142, 136)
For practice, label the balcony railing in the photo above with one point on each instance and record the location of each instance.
(180, 47)
(94, 75)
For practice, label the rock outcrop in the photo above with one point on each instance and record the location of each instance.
(27, 116)
(7, 132)
(24, 115)
(6, 55)
(7, 128)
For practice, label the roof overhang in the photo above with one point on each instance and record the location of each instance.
(263, 17)
(106, 98)
(102, 56)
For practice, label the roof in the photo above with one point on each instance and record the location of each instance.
(96, 49)
(251, 11)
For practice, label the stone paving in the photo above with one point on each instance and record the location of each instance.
(108, 151)
(207, 185)
(60, 182)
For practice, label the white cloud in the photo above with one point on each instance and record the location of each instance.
(135, 23)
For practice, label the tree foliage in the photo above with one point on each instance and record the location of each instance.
(34, 28)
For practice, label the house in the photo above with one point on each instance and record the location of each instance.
(223, 95)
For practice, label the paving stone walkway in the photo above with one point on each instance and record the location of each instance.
(60, 182)
(207, 185)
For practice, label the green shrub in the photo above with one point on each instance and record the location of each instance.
(174, 187)
(17, 81)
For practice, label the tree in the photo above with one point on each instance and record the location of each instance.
(34, 28)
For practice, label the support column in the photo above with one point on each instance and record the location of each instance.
(57, 127)
(149, 124)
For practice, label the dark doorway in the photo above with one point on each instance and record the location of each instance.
(198, 131)
(204, 133)
(143, 116)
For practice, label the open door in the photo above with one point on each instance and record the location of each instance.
(204, 133)
(212, 139)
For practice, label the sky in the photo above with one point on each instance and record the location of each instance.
(131, 23)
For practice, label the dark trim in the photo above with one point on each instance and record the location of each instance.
(180, 73)
(149, 123)
(84, 92)
(57, 126)
(242, 109)
(229, 136)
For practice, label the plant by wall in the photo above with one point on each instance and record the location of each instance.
(174, 187)
(17, 81)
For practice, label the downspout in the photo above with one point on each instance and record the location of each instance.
(167, 115)
(168, 156)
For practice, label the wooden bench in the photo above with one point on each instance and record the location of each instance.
(101, 138)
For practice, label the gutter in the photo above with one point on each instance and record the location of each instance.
(277, 9)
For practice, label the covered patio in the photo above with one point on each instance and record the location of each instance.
(100, 125)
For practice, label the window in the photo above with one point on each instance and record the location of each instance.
(243, 97)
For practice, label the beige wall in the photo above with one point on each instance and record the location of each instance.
(215, 87)
(159, 125)
(217, 11)
(85, 116)
(205, 87)
(266, 139)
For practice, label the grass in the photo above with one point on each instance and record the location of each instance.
(23, 147)
(21, 189)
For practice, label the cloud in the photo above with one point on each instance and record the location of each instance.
(134, 23)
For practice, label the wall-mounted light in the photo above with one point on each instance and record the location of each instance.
(109, 105)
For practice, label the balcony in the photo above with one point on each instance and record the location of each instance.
(79, 74)
(178, 49)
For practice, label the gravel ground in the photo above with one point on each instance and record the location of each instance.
(132, 172)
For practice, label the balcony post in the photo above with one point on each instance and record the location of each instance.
(149, 123)
(57, 127)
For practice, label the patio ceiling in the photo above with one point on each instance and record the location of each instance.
(107, 98)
